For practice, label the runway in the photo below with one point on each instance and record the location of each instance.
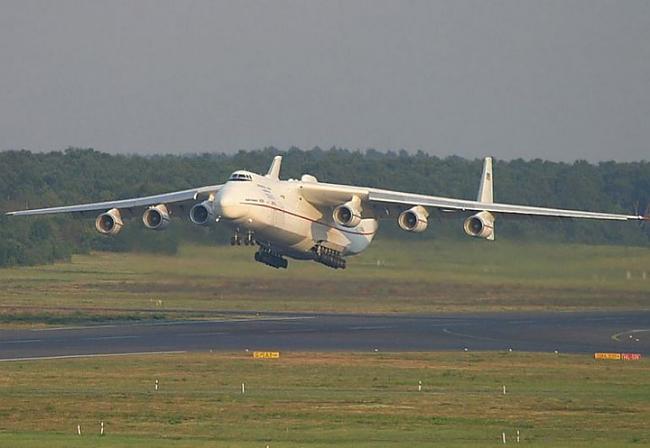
(539, 332)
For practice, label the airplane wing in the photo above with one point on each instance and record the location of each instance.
(387, 197)
(174, 199)
(386, 203)
(333, 195)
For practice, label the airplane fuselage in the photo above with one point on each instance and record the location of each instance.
(283, 221)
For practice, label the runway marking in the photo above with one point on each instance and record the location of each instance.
(91, 355)
(23, 341)
(79, 327)
(213, 333)
(616, 337)
(370, 327)
(597, 319)
(292, 330)
(179, 322)
(453, 333)
(99, 338)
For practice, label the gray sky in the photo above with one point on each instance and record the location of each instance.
(561, 80)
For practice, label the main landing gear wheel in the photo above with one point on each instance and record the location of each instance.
(270, 258)
(329, 257)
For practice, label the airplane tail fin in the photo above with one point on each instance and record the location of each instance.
(485, 193)
(485, 188)
(274, 169)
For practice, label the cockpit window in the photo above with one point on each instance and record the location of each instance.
(241, 177)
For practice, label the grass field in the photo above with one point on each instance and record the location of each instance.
(318, 400)
(391, 277)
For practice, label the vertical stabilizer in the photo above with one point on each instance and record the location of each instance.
(485, 188)
(274, 169)
(485, 192)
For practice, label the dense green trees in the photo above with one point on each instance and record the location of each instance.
(80, 175)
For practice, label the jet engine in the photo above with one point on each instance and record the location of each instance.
(348, 214)
(109, 223)
(414, 219)
(203, 213)
(480, 225)
(156, 218)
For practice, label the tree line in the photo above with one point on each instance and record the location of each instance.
(30, 180)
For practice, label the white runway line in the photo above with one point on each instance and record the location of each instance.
(80, 327)
(617, 336)
(480, 338)
(22, 341)
(91, 355)
(178, 322)
(101, 338)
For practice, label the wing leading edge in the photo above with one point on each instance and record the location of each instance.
(172, 198)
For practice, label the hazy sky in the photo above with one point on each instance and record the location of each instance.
(561, 80)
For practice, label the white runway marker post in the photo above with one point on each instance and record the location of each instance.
(504, 389)
(503, 437)
(517, 436)
(243, 388)
(79, 430)
(419, 386)
(155, 385)
(101, 428)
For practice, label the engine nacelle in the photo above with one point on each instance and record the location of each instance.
(480, 225)
(156, 218)
(203, 213)
(348, 214)
(414, 219)
(109, 223)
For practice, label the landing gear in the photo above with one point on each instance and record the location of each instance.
(270, 258)
(329, 257)
(236, 239)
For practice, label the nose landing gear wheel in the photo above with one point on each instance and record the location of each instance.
(235, 239)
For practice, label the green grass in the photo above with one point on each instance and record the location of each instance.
(324, 399)
(391, 277)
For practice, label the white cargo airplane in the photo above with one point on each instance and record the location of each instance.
(306, 219)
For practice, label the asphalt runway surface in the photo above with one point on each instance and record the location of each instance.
(538, 332)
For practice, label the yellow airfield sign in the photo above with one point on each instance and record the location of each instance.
(266, 355)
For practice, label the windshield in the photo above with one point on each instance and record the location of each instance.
(240, 177)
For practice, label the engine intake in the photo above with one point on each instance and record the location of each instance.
(203, 213)
(480, 225)
(156, 218)
(109, 223)
(348, 214)
(414, 219)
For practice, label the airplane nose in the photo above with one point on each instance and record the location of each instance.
(228, 206)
